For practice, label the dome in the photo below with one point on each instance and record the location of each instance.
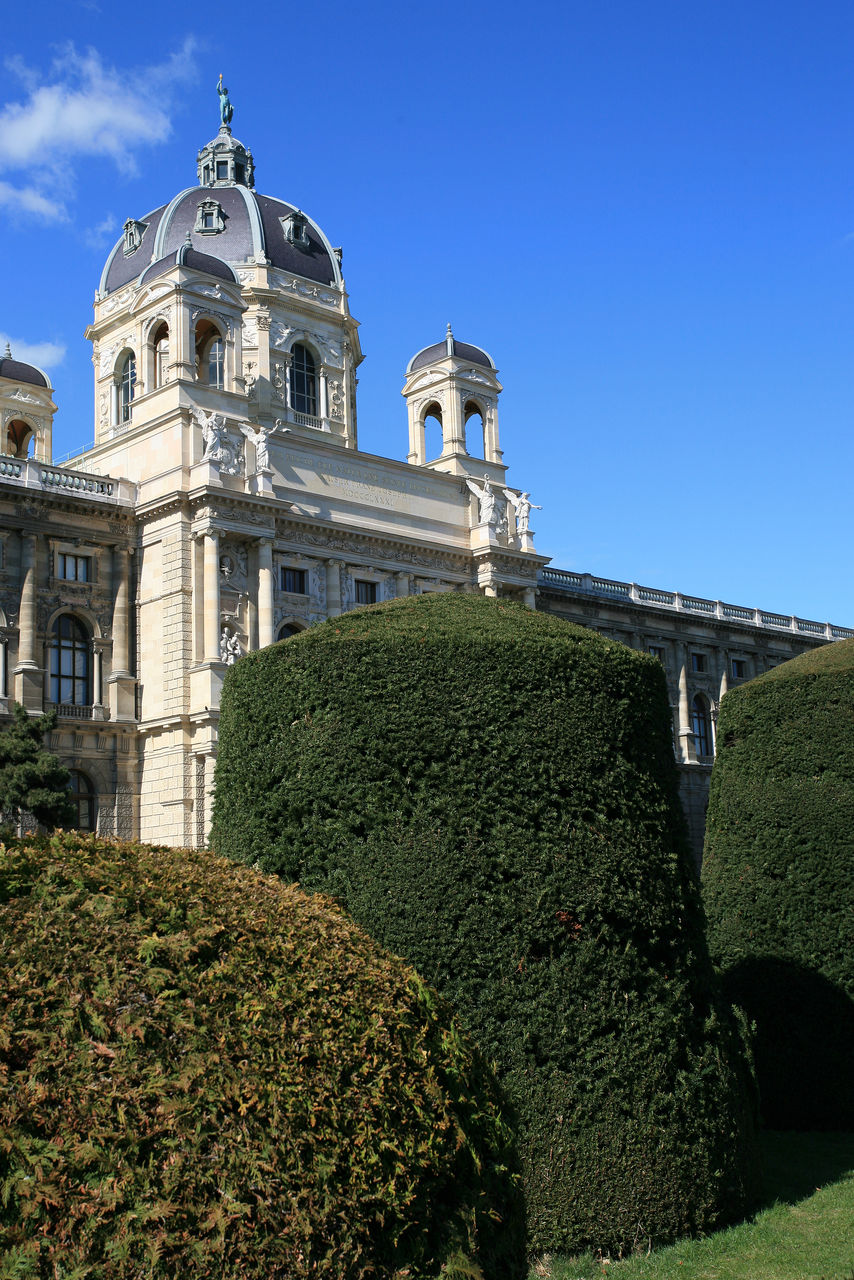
(187, 256)
(225, 221)
(449, 347)
(19, 371)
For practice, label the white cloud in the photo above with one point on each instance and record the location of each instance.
(27, 200)
(46, 355)
(80, 108)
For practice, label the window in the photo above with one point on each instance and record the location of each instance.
(19, 436)
(127, 383)
(216, 364)
(70, 663)
(134, 231)
(657, 651)
(739, 668)
(210, 217)
(160, 354)
(287, 630)
(366, 592)
(293, 580)
(222, 171)
(303, 381)
(698, 662)
(295, 228)
(210, 355)
(73, 568)
(701, 723)
(83, 798)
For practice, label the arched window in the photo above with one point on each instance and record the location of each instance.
(83, 798)
(701, 723)
(434, 438)
(18, 438)
(473, 416)
(160, 354)
(210, 355)
(303, 381)
(286, 630)
(127, 383)
(70, 663)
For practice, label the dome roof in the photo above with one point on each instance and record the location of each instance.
(449, 347)
(187, 256)
(18, 371)
(225, 221)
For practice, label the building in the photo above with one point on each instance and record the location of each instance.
(225, 504)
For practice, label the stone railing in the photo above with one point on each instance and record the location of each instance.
(608, 588)
(32, 474)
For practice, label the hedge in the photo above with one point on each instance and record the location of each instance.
(204, 1072)
(778, 882)
(492, 793)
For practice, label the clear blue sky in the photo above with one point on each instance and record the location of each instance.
(644, 212)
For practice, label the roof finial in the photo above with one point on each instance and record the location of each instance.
(449, 340)
(8, 352)
(226, 110)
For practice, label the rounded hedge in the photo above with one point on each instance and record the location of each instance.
(778, 882)
(492, 793)
(206, 1072)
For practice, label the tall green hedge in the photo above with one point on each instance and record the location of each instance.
(492, 793)
(778, 878)
(204, 1072)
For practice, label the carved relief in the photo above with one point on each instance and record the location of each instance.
(336, 400)
(234, 564)
(318, 585)
(103, 409)
(278, 381)
(250, 332)
(225, 320)
(116, 301)
(280, 333)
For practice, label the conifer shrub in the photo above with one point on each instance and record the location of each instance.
(778, 883)
(492, 794)
(205, 1072)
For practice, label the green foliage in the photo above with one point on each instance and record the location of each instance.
(777, 877)
(492, 793)
(31, 779)
(204, 1072)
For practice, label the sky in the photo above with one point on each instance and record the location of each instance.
(643, 211)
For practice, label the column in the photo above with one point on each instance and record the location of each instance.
(686, 731)
(121, 650)
(333, 588)
(324, 392)
(401, 587)
(4, 666)
(529, 597)
(97, 668)
(265, 592)
(210, 598)
(27, 614)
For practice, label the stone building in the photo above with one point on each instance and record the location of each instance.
(225, 504)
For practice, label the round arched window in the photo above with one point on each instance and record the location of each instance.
(127, 384)
(287, 630)
(83, 798)
(70, 662)
(701, 723)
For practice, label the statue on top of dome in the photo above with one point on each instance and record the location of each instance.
(226, 110)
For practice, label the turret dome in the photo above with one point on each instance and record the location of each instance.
(449, 346)
(20, 371)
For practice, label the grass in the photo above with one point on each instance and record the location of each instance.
(804, 1232)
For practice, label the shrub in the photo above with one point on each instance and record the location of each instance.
(492, 793)
(206, 1072)
(777, 878)
(31, 779)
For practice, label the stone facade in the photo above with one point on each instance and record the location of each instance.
(226, 504)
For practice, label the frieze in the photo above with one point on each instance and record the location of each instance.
(116, 301)
(370, 547)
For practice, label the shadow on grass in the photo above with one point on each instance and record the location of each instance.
(796, 1165)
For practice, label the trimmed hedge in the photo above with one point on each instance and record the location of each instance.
(492, 793)
(778, 878)
(204, 1072)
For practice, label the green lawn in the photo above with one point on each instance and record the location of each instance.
(804, 1232)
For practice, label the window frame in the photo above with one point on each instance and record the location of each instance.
(70, 665)
(364, 587)
(66, 559)
(304, 382)
(299, 575)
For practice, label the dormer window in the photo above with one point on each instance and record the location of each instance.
(295, 227)
(134, 231)
(210, 218)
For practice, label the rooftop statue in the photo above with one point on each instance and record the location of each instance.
(226, 110)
